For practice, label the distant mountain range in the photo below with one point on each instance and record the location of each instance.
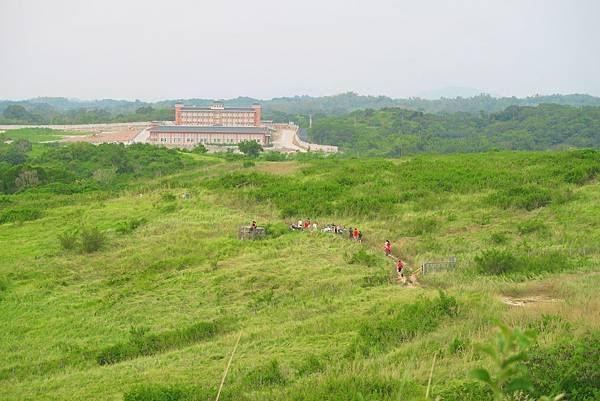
(62, 110)
(451, 92)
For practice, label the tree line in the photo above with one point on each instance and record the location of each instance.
(283, 109)
(396, 131)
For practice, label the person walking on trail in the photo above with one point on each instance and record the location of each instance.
(399, 267)
(253, 226)
(360, 237)
(388, 247)
(350, 233)
(355, 234)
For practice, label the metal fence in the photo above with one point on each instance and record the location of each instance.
(430, 267)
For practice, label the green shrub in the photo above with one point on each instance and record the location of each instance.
(19, 215)
(309, 365)
(499, 262)
(362, 257)
(581, 174)
(530, 226)
(274, 230)
(499, 238)
(248, 163)
(496, 262)
(420, 317)
(128, 226)
(142, 344)
(266, 375)
(200, 149)
(69, 240)
(92, 239)
(527, 197)
(570, 366)
(168, 197)
(457, 346)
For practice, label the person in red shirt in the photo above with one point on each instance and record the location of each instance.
(399, 267)
(355, 234)
(388, 247)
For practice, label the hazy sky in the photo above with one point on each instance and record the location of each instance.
(264, 48)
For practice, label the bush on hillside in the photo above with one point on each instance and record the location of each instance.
(496, 262)
(248, 163)
(266, 375)
(69, 240)
(142, 344)
(128, 226)
(570, 366)
(250, 148)
(409, 320)
(310, 364)
(502, 262)
(362, 257)
(19, 215)
(499, 238)
(92, 239)
(274, 230)
(581, 174)
(199, 149)
(527, 197)
(530, 226)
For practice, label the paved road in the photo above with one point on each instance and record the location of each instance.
(284, 140)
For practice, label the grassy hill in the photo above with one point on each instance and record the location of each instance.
(155, 311)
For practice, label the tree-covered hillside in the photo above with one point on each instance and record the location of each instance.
(297, 108)
(396, 131)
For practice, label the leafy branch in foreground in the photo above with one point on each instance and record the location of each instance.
(509, 375)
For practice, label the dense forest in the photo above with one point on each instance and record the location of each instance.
(69, 111)
(396, 131)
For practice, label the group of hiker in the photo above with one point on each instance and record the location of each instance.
(354, 234)
(304, 225)
(387, 247)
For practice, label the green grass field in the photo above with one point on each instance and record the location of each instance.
(155, 313)
(36, 135)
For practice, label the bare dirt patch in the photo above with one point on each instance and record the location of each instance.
(526, 301)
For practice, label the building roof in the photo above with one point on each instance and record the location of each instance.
(233, 109)
(209, 130)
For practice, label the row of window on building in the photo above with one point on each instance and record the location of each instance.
(222, 114)
(210, 121)
(203, 140)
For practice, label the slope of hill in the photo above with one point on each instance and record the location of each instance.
(155, 311)
(396, 131)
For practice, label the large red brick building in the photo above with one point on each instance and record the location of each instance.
(214, 125)
(218, 115)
